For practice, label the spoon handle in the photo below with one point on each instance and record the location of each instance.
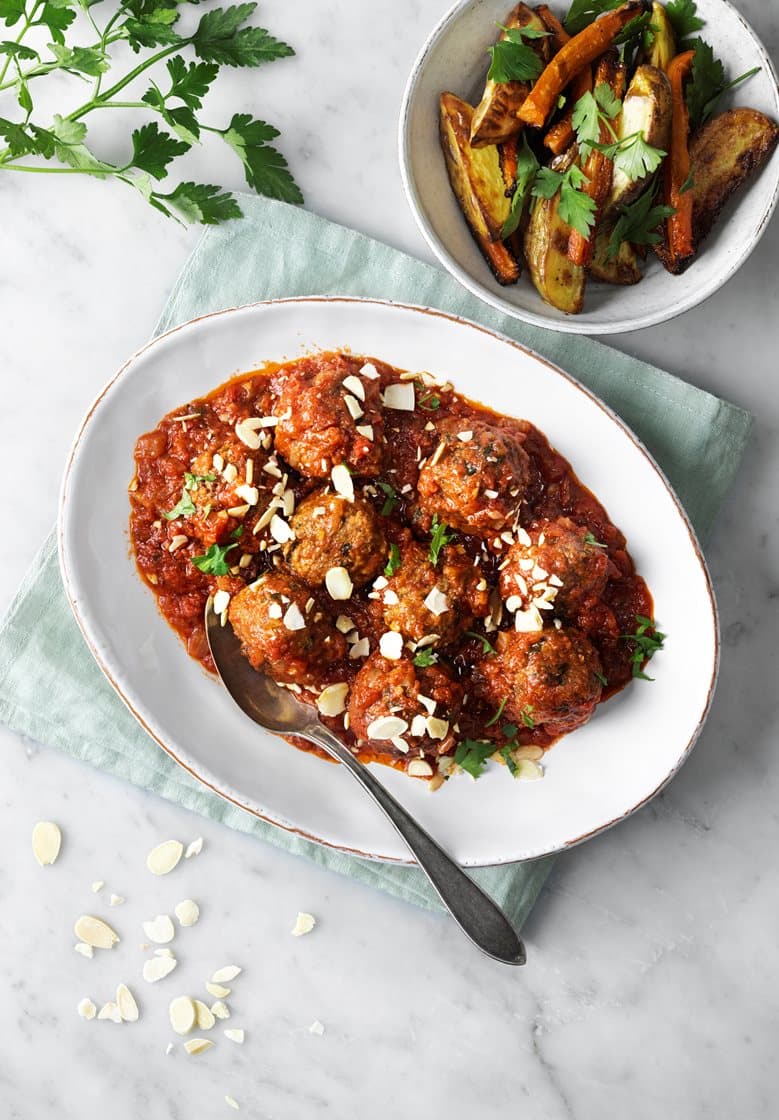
(477, 915)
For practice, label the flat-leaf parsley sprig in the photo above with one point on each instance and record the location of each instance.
(221, 37)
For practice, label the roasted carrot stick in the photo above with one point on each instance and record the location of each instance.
(676, 170)
(597, 167)
(560, 135)
(559, 36)
(573, 56)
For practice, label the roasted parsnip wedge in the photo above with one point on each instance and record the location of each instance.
(557, 279)
(623, 269)
(478, 184)
(495, 117)
(663, 45)
(646, 109)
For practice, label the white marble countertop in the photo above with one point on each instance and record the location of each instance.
(652, 974)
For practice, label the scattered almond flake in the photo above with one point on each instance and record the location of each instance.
(538, 573)
(332, 700)
(555, 581)
(491, 494)
(226, 974)
(532, 753)
(110, 1011)
(162, 859)
(247, 432)
(280, 530)
(481, 585)
(365, 430)
(194, 848)
(369, 370)
(182, 1014)
(198, 1045)
(521, 583)
(342, 481)
(220, 1010)
(245, 561)
(231, 1101)
(293, 618)
(445, 764)
(272, 468)
(399, 743)
(428, 703)
(84, 949)
(435, 783)
(288, 502)
(221, 601)
(338, 583)
(116, 900)
(526, 564)
(524, 537)
(353, 407)
(386, 727)
(95, 932)
(391, 645)
(133, 486)
(507, 538)
(238, 511)
(542, 604)
(217, 462)
(165, 952)
(317, 1027)
(400, 397)
(418, 727)
(430, 426)
(436, 602)
(86, 1008)
(528, 771)
(437, 728)
(541, 538)
(249, 471)
(177, 541)
(274, 610)
(157, 968)
(248, 494)
(466, 436)
(203, 1016)
(230, 473)
(217, 990)
(235, 1034)
(304, 923)
(513, 603)
(354, 385)
(527, 622)
(420, 768)
(428, 640)
(98, 885)
(557, 624)
(160, 930)
(344, 624)
(125, 1001)
(187, 912)
(360, 648)
(390, 598)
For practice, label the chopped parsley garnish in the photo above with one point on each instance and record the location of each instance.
(512, 60)
(237, 533)
(591, 541)
(213, 562)
(526, 715)
(638, 223)
(428, 399)
(439, 539)
(185, 508)
(491, 722)
(392, 499)
(603, 680)
(510, 730)
(425, 658)
(486, 644)
(192, 481)
(472, 754)
(393, 563)
(527, 169)
(506, 755)
(644, 645)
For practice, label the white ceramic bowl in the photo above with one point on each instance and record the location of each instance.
(594, 777)
(454, 58)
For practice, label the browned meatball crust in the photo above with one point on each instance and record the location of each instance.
(282, 633)
(420, 599)
(549, 677)
(474, 484)
(385, 688)
(332, 532)
(316, 431)
(556, 554)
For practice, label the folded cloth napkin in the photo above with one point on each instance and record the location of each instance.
(277, 250)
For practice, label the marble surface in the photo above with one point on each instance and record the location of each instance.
(652, 976)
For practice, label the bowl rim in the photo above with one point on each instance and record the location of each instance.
(572, 324)
(222, 787)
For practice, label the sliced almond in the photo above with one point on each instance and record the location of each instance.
(198, 1045)
(226, 974)
(221, 601)
(466, 436)
(420, 768)
(125, 1001)
(98, 885)
(391, 645)
(157, 968)
(231, 1101)
(400, 397)
(317, 1028)
(220, 1010)
(86, 1008)
(203, 1016)
(533, 753)
(529, 621)
(182, 1014)
(294, 618)
(528, 771)
(354, 385)
(217, 990)
(360, 648)
(436, 602)
(369, 370)
(248, 494)
(338, 583)
(332, 700)
(280, 530)
(387, 727)
(162, 859)
(247, 433)
(46, 842)
(366, 431)
(353, 407)
(84, 949)
(304, 923)
(116, 900)
(160, 930)
(95, 932)
(235, 1034)
(418, 727)
(342, 481)
(110, 1011)
(428, 703)
(437, 728)
(187, 912)
(194, 848)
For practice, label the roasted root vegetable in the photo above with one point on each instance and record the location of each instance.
(679, 244)
(645, 109)
(477, 181)
(496, 117)
(577, 53)
(557, 279)
(622, 269)
(662, 46)
(561, 135)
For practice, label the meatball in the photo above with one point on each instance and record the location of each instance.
(425, 701)
(474, 484)
(295, 645)
(317, 431)
(420, 599)
(559, 555)
(550, 677)
(332, 532)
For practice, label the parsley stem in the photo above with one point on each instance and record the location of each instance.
(103, 170)
(28, 20)
(125, 81)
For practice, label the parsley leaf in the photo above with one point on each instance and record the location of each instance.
(527, 169)
(57, 18)
(689, 182)
(394, 561)
(681, 14)
(494, 719)
(153, 150)
(592, 542)
(220, 37)
(190, 83)
(486, 644)
(472, 754)
(198, 202)
(19, 50)
(608, 102)
(11, 11)
(439, 539)
(81, 60)
(192, 481)
(425, 658)
(707, 83)
(638, 223)
(526, 716)
(643, 645)
(391, 496)
(547, 183)
(583, 12)
(264, 166)
(213, 562)
(633, 156)
(185, 508)
(577, 208)
(601, 678)
(586, 119)
(512, 60)
(428, 399)
(508, 758)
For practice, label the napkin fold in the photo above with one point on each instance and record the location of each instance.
(274, 251)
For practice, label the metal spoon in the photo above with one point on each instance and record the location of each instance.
(277, 709)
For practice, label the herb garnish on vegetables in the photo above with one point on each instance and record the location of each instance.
(512, 60)
(527, 169)
(638, 223)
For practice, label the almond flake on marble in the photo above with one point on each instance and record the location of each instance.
(194, 848)
(182, 1014)
(231, 1101)
(157, 968)
(160, 930)
(317, 1028)
(304, 923)
(162, 859)
(46, 842)
(97, 885)
(226, 974)
(235, 1034)
(110, 1011)
(198, 1045)
(220, 1010)
(84, 949)
(187, 912)
(203, 1015)
(217, 990)
(125, 1001)
(95, 932)
(86, 1008)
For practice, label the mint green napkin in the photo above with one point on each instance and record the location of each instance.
(52, 690)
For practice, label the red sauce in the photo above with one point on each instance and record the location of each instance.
(175, 470)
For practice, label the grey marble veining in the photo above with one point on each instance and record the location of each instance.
(652, 983)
